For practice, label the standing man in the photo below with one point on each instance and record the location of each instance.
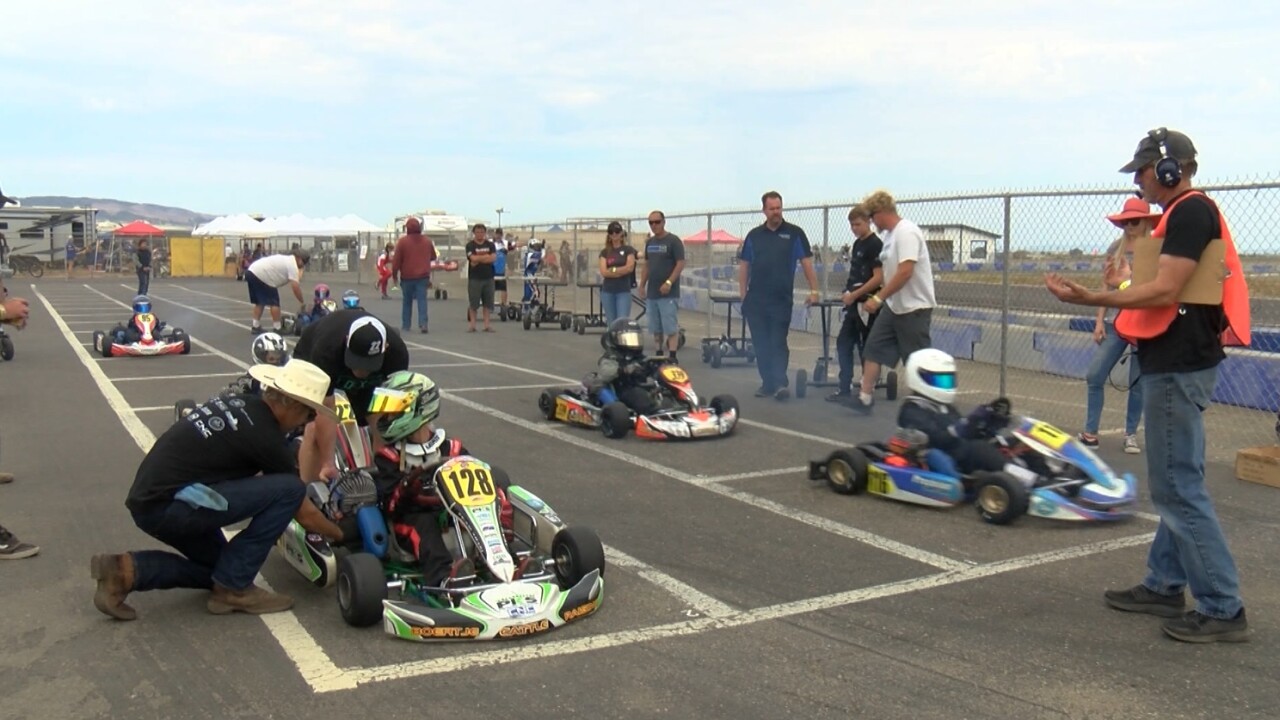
(267, 275)
(144, 266)
(907, 297)
(481, 254)
(411, 270)
(660, 278)
(500, 269)
(71, 256)
(767, 285)
(1180, 311)
(866, 274)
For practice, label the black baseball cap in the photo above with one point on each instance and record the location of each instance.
(1176, 144)
(615, 225)
(366, 344)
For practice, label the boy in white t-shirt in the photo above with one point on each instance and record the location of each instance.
(265, 276)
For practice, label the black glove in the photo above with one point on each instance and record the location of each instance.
(1001, 407)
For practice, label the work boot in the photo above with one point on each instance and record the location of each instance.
(114, 574)
(253, 600)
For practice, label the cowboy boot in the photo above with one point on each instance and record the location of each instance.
(253, 600)
(115, 576)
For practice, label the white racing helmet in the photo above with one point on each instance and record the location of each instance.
(932, 373)
(270, 348)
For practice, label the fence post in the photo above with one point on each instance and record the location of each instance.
(711, 251)
(826, 253)
(1004, 303)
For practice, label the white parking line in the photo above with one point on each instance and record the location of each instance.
(699, 601)
(175, 377)
(553, 648)
(151, 408)
(755, 474)
(193, 342)
(482, 388)
(425, 366)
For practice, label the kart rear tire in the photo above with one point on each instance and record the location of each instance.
(1000, 497)
(891, 386)
(802, 383)
(6, 348)
(105, 345)
(526, 320)
(513, 312)
(362, 586)
(846, 472)
(565, 322)
(680, 343)
(182, 407)
(615, 420)
(180, 334)
(716, 357)
(724, 403)
(547, 403)
(577, 551)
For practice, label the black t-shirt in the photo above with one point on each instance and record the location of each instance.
(229, 438)
(617, 258)
(481, 271)
(1193, 340)
(864, 258)
(661, 253)
(144, 258)
(324, 344)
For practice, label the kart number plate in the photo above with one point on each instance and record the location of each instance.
(467, 481)
(562, 409)
(1049, 435)
(878, 482)
(342, 408)
(674, 374)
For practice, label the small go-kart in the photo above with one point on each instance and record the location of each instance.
(678, 415)
(152, 338)
(1049, 474)
(529, 571)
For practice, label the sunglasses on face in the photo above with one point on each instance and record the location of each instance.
(615, 232)
(1132, 223)
(656, 222)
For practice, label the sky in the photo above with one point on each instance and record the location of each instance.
(567, 109)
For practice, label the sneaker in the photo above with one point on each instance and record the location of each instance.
(256, 330)
(1141, 600)
(862, 408)
(114, 574)
(253, 600)
(6, 478)
(840, 396)
(763, 391)
(11, 548)
(1196, 628)
(1088, 440)
(782, 394)
(1131, 445)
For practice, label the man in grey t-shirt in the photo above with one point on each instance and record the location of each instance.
(660, 278)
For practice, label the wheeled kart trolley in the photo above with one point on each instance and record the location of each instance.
(595, 318)
(826, 369)
(717, 349)
(541, 308)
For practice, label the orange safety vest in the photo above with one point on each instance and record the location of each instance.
(1135, 324)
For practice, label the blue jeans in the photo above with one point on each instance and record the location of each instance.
(411, 290)
(1109, 352)
(616, 305)
(207, 556)
(1189, 549)
(770, 322)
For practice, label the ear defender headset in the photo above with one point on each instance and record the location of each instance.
(1168, 170)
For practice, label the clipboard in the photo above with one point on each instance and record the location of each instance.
(1204, 287)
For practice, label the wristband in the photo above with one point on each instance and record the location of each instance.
(1123, 286)
(2, 313)
(667, 282)
(876, 298)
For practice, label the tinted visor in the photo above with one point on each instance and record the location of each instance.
(630, 339)
(940, 380)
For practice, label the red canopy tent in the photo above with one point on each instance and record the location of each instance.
(718, 237)
(138, 227)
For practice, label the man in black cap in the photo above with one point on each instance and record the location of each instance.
(358, 352)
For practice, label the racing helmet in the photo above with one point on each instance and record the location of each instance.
(625, 334)
(322, 292)
(270, 348)
(141, 304)
(405, 402)
(535, 244)
(351, 299)
(932, 373)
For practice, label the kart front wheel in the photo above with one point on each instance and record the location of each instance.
(362, 586)
(802, 383)
(724, 403)
(577, 551)
(180, 335)
(615, 420)
(547, 403)
(1000, 497)
(891, 386)
(846, 472)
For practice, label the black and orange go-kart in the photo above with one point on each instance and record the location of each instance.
(678, 413)
(146, 337)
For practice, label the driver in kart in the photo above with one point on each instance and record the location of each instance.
(622, 372)
(128, 333)
(359, 353)
(957, 445)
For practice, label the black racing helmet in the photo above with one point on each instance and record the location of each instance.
(625, 334)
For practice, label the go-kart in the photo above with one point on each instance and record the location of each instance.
(1049, 474)
(154, 339)
(291, 324)
(529, 572)
(678, 414)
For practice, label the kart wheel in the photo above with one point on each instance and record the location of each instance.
(680, 344)
(527, 321)
(716, 357)
(6, 348)
(1001, 498)
(802, 383)
(846, 472)
(436, 294)
(724, 403)
(615, 420)
(580, 326)
(751, 356)
(104, 345)
(565, 322)
(36, 269)
(706, 354)
(180, 334)
(577, 551)
(513, 312)
(891, 386)
(547, 403)
(820, 371)
(182, 408)
(362, 586)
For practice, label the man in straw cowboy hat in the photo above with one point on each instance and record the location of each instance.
(224, 463)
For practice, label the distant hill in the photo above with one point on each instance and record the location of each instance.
(122, 211)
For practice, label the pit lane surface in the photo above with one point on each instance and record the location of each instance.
(736, 587)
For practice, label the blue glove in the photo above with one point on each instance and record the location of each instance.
(199, 495)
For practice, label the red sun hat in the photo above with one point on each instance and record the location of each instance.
(1134, 209)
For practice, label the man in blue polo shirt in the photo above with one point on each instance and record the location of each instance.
(767, 283)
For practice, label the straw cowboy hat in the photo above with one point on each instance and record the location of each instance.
(298, 380)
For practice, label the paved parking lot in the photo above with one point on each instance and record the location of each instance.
(736, 588)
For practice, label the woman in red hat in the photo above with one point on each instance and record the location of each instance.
(1136, 220)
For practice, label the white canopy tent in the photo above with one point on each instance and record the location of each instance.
(295, 225)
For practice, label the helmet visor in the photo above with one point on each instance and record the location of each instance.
(630, 339)
(940, 380)
(386, 400)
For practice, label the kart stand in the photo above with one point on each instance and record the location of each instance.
(541, 308)
(513, 308)
(644, 308)
(825, 365)
(596, 317)
(715, 350)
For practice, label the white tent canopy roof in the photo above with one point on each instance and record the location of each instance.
(289, 225)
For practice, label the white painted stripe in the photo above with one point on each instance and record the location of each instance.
(445, 365)
(756, 474)
(497, 387)
(553, 648)
(698, 601)
(175, 377)
(1147, 516)
(815, 521)
(794, 433)
(120, 357)
(194, 341)
(151, 408)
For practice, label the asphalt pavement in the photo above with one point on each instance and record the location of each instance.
(736, 587)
